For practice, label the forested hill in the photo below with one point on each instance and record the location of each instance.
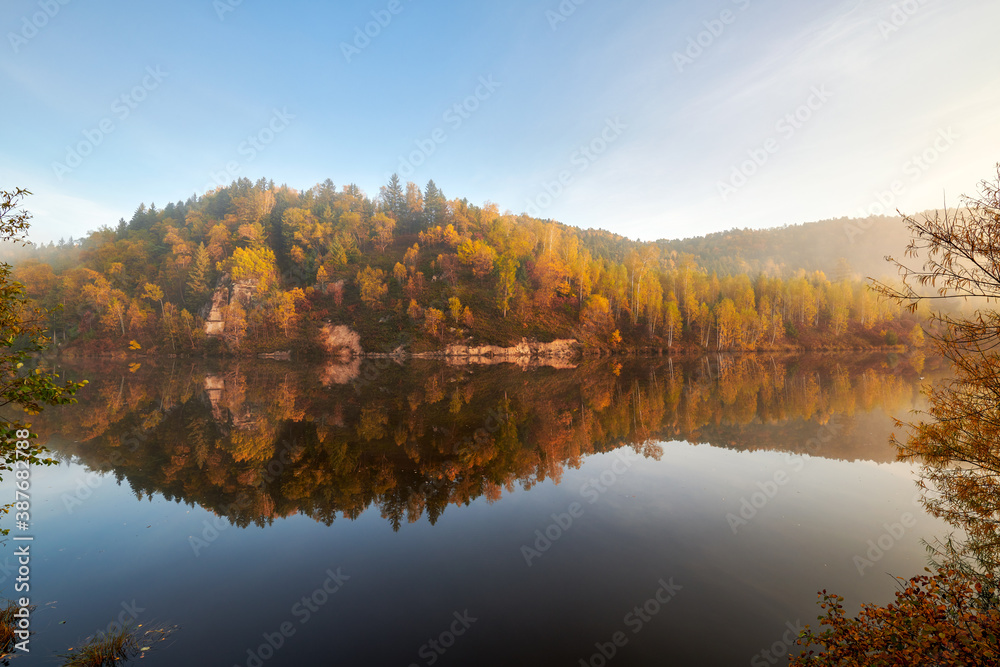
(256, 267)
(840, 248)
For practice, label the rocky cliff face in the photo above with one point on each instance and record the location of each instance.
(559, 353)
(214, 324)
(563, 348)
(242, 291)
(340, 341)
(224, 294)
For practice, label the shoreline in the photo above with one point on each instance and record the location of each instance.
(581, 353)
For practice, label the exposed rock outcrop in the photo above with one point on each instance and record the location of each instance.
(214, 324)
(340, 341)
(558, 353)
(563, 348)
(242, 291)
(227, 292)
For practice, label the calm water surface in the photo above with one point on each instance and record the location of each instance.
(427, 514)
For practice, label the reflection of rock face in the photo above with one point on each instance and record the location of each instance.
(523, 362)
(229, 408)
(214, 386)
(340, 341)
(340, 373)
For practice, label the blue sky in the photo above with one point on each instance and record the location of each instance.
(651, 119)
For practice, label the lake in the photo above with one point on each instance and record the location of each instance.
(628, 511)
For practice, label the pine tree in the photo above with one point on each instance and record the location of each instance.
(393, 197)
(197, 282)
(434, 204)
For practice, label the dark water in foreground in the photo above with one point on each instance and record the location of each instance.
(426, 514)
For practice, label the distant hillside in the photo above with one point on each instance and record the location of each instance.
(256, 267)
(839, 248)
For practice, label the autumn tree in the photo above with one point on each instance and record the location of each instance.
(951, 617)
(255, 266)
(651, 296)
(771, 319)
(219, 242)
(282, 311)
(337, 290)
(253, 207)
(110, 304)
(548, 273)
(382, 228)
(24, 384)
(153, 293)
(415, 285)
(434, 321)
(235, 319)
(410, 258)
(138, 319)
(958, 258)
(839, 304)
(726, 324)
(478, 256)
(373, 288)
(322, 278)
(934, 620)
(455, 308)
(449, 265)
(399, 273)
(506, 279)
(414, 311)
(673, 321)
(639, 264)
(596, 315)
(192, 329)
(170, 325)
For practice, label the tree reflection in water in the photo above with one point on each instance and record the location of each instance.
(255, 441)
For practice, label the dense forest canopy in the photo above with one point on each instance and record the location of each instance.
(271, 266)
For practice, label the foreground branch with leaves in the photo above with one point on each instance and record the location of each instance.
(23, 384)
(958, 446)
(938, 620)
(951, 617)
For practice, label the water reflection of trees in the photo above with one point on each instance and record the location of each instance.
(256, 441)
(952, 617)
(958, 448)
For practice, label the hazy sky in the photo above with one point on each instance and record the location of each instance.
(660, 119)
